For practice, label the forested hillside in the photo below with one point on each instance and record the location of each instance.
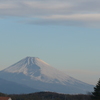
(47, 96)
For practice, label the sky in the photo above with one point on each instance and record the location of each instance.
(63, 33)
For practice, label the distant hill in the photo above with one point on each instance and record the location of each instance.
(49, 96)
(9, 87)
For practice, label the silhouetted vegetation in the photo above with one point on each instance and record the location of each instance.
(96, 93)
(47, 96)
(2, 94)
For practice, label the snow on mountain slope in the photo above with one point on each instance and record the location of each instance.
(37, 69)
(34, 72)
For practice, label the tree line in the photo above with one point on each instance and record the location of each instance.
(47, 96)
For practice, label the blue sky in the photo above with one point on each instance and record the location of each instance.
(65, 34)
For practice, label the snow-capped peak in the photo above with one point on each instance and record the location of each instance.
(33, 71)
(37, 69)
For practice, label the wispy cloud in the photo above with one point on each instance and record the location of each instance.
(60, 12)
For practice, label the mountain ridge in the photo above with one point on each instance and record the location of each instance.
(10, 87)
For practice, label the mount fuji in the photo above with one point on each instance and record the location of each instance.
(36, 73)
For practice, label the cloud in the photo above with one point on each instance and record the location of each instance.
(59, 12)
(87, 20)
